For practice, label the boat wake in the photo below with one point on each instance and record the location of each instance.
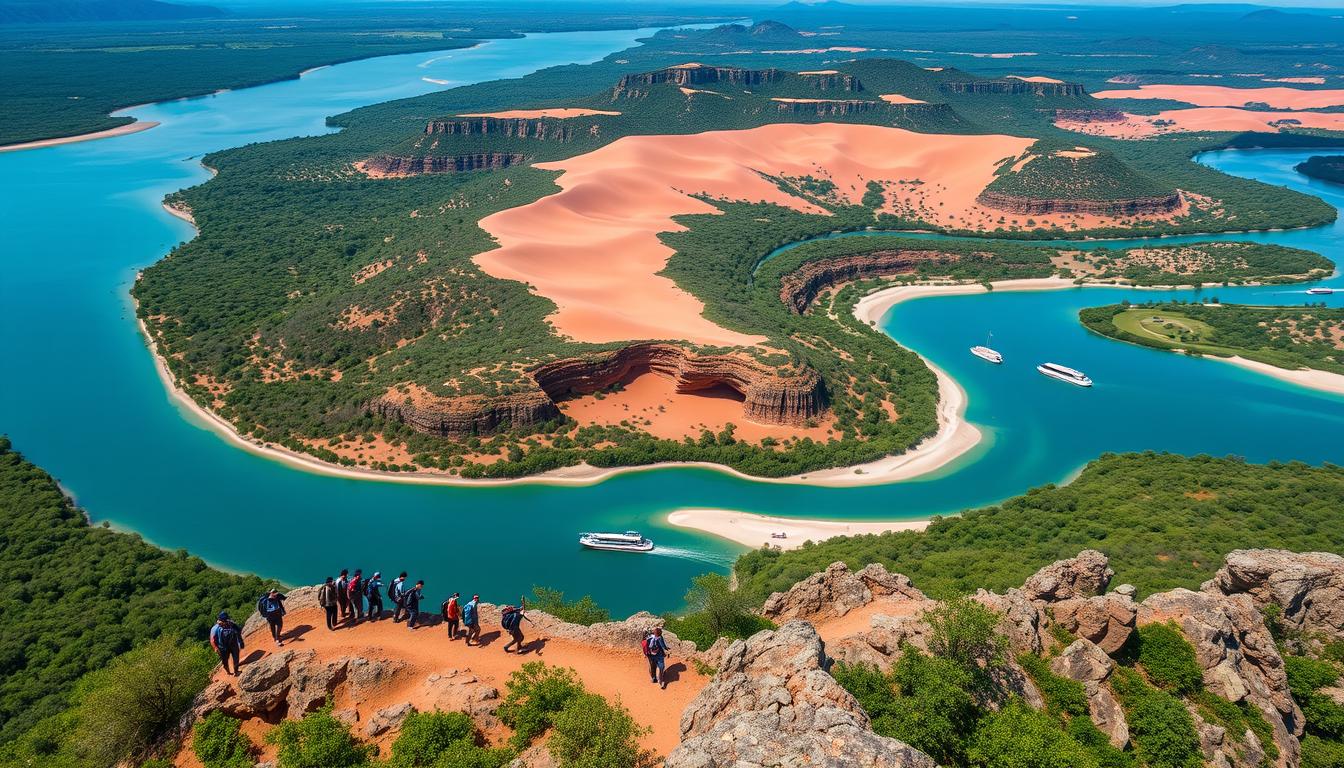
(709, 558)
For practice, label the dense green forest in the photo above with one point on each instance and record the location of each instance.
(1287, 337)
(1165, 521)
(1323, 167)
(77, 596)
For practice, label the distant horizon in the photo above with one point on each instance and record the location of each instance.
(673, 5)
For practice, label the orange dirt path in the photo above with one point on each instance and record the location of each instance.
(860, 619)
(1224, 96)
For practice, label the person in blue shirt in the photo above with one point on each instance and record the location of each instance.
(655, 650)
(411, 599)
(227, 640)
(272, 608)
(373, 590)
(395, 592)
(471, 619)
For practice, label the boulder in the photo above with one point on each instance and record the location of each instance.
(264, 686)
(1087, 663)
(536, 756)
(462, 691)
(1023, 621)
(1086, 575)
(1239, 659)
(836, 591)
(387, 719)
(312, 682)
(1308, 588)
(772, 703)
(367, 676)
(1106, 620)
(881, 644)
(1225, 750)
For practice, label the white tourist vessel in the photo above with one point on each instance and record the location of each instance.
(630, 541)
(985, 353)
(1320, 291)
(1057, 371)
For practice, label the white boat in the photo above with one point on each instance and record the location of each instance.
(1320, 291)
(630, 541)
(985, 353)
(1057, 371)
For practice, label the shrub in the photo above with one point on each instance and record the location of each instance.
(591, 733)
(1062, 695)
(1093, 740)
(583, 611)
(318, 740)
(1020, 737)
(717, 610)
(218, 743)
(536, 694)
(966, 633)
(1322, 753)
(1169, 659)
(1163, 731)
(426, 735)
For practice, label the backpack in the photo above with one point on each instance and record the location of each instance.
(510, 618)
(644, 644)
(229, 637)
(370, 588)
(443, 609)
(398, 589)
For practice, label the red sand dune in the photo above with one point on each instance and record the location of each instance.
(529, 113)
(1035, 79)
(896, 98)
(1223, 96)
(1207, 119)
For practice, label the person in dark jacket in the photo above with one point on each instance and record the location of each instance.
(373, 590)
(512, 621)
(471, 619)
(452, 612)
(272, 608)
(395, 592)
(655, 650)
(326, 597)
(227, 640)
(356, 593)
(342, 593)
(411, 598)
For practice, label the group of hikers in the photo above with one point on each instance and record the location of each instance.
(350, 599)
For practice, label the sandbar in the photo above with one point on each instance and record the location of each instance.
(121, 130)
(1325, 381)
(560, 112)
(753, 530)
(1225, 96)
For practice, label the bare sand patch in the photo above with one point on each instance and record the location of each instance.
(559, 112)
(831, 49)
(1225, 96)
(1206, 119)
(861, 619)
(1035, 79)
(120, 130)
(752, 530)
(821, 72)
(1298, 80)
(1324, 381)
(896, 98)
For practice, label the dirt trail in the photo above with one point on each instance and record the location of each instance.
(859, 619)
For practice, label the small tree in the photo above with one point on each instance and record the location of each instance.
(724, 609)
(218, 742)
(535, 694)
(318, 740)
(591, 733)
(966, 633)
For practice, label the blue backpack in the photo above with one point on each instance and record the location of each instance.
(371, 588)
(510, 618)
(229, 637)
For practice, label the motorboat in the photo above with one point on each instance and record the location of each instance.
(1320, 291)
(630, 541)
(1064, 373)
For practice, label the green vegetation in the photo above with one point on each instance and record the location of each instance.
(318, 740)
(587, 731)
(443, 740)
(218, 742)
(1057, 170)
(1163, 731)
(1168, 658)
(583, 611)
(1165, 521)
(80, 596)
(1323, 167)
(716, 610)
(1286, 337)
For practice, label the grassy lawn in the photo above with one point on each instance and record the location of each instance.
(1166, 326)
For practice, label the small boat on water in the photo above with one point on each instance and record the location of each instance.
(630, 541)
(985, 353)
(1320, 291)
(1063, 373)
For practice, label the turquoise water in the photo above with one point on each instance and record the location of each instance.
(80, 396)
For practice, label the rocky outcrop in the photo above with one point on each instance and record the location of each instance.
(772, 703)
(417, 165)
(831, 107)
(882, 644)
(1090, 116)
(1086, 575)
(691, 75)
(1238, 657)
(1088, 664)
(290, 683)
(1031, 206)
(799, 288)
(1307, 589)
(1013, 86)
(538, 128)
(836, 591)
(1107, 620)
(466, 416)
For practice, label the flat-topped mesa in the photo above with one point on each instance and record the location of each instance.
(416, 165)
(799, 288)
(1090, 116)
(1013, 86)
(543, 128)
(770, 396)
(833, 81)
(1154, 205)
(832, 107)
(690, 75)
(465, 416)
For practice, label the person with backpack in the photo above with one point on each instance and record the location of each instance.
(272, 608)
(471, 618)
(452, 612)
(356, 596)
(655, 650)
(343, 593)
(411, 598)
(227, 641)
(511, 619)
(326, 597)
(395, 592)
(373, 590)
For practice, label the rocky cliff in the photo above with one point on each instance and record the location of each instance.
(1090, 116)
(1029, 206)
(1013, 86)
(800, 287)
(540, 128)
(692, 75)
(416, 165)
(466, 416)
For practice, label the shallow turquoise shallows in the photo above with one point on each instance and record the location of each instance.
(80, 395)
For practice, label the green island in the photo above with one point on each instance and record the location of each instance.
(1323, 167)
(1292, 338)
(335, 303)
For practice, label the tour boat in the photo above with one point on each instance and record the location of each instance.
(1057, 371)
(985, 353)
(1320, 291)
(630, 541)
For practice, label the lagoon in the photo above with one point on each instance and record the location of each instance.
(80, 395)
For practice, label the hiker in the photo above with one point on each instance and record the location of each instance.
(655, 650)
(411, 598)
(471, 618)
(356, 590)
(326, 597)
(272, 607)
(227, 641)
(343, 594)
(395, 592)
(373, 590)
(511, 619)
(451, 613)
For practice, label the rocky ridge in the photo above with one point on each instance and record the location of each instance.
(1157, 205)
(539, 128)
(416, 165)
(799, 288)
(1012, 86)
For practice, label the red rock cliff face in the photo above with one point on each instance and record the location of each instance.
(833, 108)
(637, 86)
(770, 396)
(548, 129)
(1011, 86)
(800, 287)
(391, 165)
(1028, 206)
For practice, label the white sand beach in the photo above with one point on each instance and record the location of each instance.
(120, 130)
(752, 530)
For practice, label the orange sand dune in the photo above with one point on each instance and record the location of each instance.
(1224, 96)
(528, 113)
(593, 247)
(1035, 79)
(896, 98)
(1207, 119)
